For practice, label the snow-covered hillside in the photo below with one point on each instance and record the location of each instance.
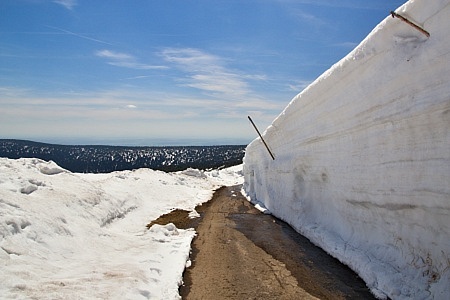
(362, 157)
(65, 235)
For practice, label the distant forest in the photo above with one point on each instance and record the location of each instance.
(105, 159)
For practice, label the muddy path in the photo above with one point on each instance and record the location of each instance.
(240, 253)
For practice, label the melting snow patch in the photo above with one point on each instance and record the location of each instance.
(162, 233)
(86, 235)
(194, 173)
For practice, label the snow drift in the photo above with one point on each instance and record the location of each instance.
(362, 159)
(66, 235)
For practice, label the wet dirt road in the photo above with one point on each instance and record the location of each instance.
(240, 253)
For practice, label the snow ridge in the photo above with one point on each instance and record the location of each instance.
(67, 235)
(362, 166)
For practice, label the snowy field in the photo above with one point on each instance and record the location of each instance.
(362, 157)
(83, 236)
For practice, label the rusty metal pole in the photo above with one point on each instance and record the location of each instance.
(267, 147)
(396, 15)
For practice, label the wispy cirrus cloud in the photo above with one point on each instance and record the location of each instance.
(309, 18)
(75, 34)
(192, 58)
(125, 60)
(227, 93)
(128, 113)
(69, 4)
(114, 55)
(208, 72)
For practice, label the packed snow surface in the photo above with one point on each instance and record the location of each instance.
(66, 235)
(362, 157)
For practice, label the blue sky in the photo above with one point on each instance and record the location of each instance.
(142, 71)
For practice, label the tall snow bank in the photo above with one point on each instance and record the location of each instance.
(362, 162)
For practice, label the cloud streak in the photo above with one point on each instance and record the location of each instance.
(79, 35)
(69, 4)
(116, 112)
(174, 104)
(310, 19)
(124, 60)
(207, 72)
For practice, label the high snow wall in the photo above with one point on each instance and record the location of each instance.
(362, 157)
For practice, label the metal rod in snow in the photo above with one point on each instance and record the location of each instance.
(267, 147)
(394, 14)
